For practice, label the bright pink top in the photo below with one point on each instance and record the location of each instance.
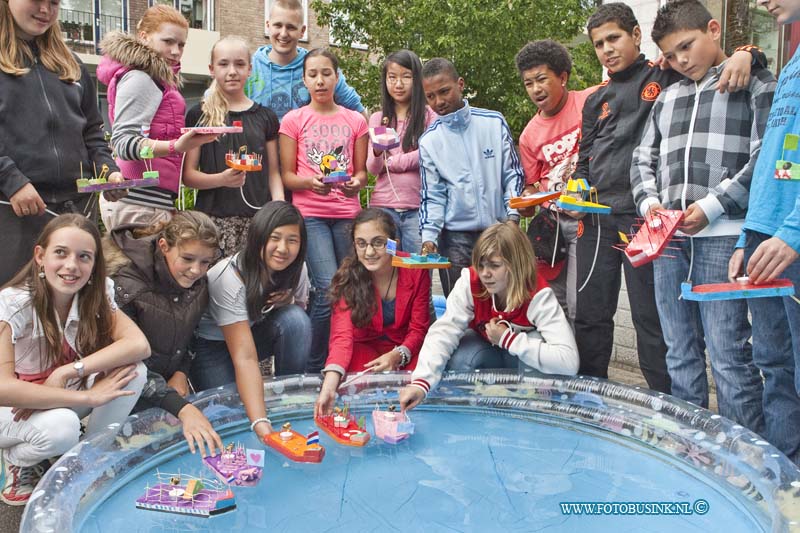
(549, 145)
(321, 140)
(403, 169)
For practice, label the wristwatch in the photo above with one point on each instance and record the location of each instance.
(79, 369)
(405, 355)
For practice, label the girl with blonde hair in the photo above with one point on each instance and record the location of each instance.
(226, 194)
(50, 128)
(500, 314)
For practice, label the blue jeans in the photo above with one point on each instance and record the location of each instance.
(776, 351)
(456, 246)
(721, 326)
(475, 352)
(407, 223)
(329, 243)
(284, 333)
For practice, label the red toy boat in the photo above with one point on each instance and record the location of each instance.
(655, 232)
(295, 446)
(342, 428)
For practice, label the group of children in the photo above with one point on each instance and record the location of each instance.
(206, 295)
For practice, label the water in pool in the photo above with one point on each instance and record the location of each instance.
(460, 471)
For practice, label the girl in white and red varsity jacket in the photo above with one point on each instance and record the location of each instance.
(499, 315)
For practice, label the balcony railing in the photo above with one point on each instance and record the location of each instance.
(83, 30)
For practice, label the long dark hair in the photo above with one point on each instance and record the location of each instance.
(415, 121)
(259, 281)
(94, 309)
(352, 282)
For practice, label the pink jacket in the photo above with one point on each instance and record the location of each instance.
(124, 53)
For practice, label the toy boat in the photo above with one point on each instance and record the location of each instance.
(420, 261)
(337, 176)
(530, 200)
(573, 204)
(102, 184)
(235, 127)
(732, 291)
(649, 242)
(343, 428)
(241, 161)
(384, 138)
(296, 446)
(579, 196)
(198, 496)
(237, 466)
(392, 427)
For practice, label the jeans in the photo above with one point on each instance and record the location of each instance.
(597, 302)
(329, 242)
(721, 326)
(407, 223)
(456, 246)
(284, 333)
(475, 352)
(776, 351)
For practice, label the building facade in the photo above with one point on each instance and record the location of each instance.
(84, 22)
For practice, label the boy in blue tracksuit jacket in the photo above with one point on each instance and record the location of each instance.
(769, 245)
(277, 78)
(469, 170)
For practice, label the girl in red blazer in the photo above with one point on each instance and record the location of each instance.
(380, 312)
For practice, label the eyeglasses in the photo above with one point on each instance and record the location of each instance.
(378, 244)
(393, 80)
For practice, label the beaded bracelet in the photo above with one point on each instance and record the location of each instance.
(257, 420)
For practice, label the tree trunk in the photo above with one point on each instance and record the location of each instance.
(737, 25)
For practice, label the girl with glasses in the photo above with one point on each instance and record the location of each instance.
(380, 313)
(402, 108)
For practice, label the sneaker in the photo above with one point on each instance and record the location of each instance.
(19, 481)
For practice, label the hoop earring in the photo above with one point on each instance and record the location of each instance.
(41, 272)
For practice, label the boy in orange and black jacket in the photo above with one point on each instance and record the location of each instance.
(613, 120)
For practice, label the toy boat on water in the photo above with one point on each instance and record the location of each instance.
(652, 237)
(732, 291)
(303, 449)
(392, 427)
(237, 466)
(530, 200)
(197, 496)
(342, 427)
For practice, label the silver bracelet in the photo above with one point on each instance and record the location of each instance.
(257, 420)
(405, 355)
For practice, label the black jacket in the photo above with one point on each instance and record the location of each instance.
(166, 312)
(614, 118)
(48, 130)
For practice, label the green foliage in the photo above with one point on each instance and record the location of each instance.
(481, 37)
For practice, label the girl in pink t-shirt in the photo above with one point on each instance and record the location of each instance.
(402, 108)
(316, 141)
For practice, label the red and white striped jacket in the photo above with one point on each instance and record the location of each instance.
(538, 332)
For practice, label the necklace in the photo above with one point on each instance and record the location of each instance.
(391, 279)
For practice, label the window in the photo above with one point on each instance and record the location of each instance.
(199, 13)
(268, 6)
